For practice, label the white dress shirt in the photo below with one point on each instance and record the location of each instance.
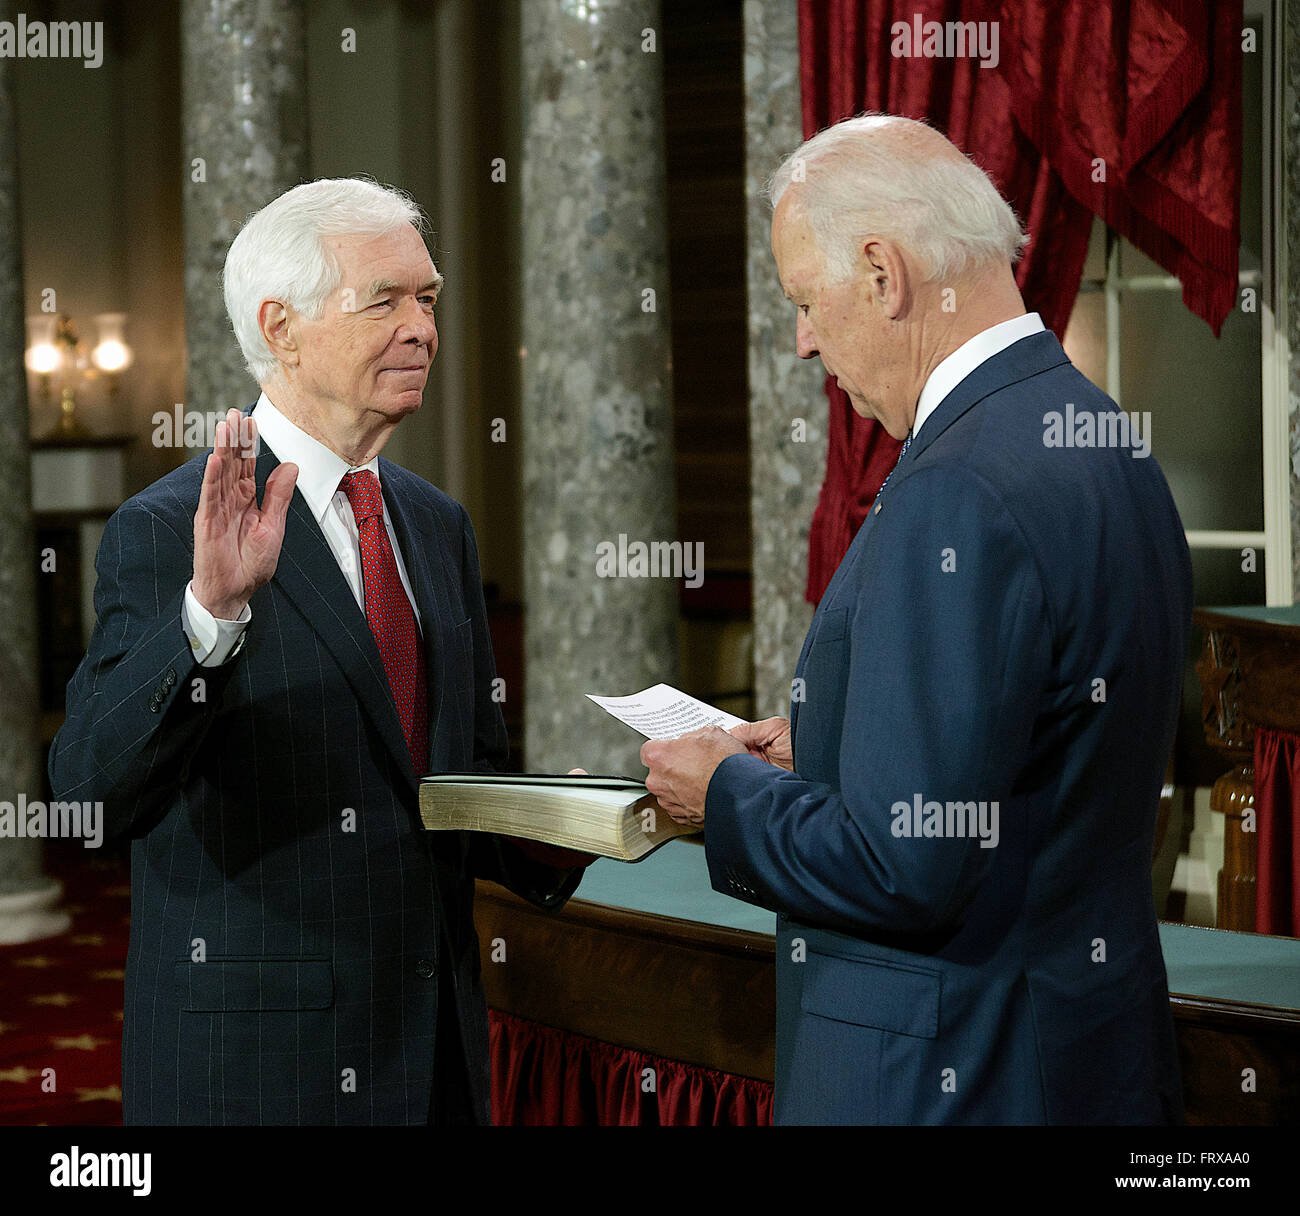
(319, 473)
(967, 357)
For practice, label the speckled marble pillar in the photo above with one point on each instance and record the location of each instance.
(244, 105)
(28, 897)
(787, 460)
(1290, 237)
(597, 414)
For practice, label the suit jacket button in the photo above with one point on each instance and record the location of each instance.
(424, 968)
(153, 704)
(170, 678)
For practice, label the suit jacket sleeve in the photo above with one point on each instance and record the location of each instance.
(947, 649)
(139, 705)
(495, 857)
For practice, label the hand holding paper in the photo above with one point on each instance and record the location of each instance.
(688, 740)
(768, 740)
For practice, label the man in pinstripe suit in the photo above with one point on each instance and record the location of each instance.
(263, 689)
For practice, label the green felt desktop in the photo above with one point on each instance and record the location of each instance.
(1210, 963)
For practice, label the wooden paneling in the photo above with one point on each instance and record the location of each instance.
(706, 995)
(1240, 1063)
(688, 992)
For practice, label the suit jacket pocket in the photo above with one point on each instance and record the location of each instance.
(227, 985)
(832, 626)
(879, 995)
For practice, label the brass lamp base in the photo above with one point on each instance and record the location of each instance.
(69, 426)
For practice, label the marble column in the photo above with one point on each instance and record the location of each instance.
(1287, 233)
(787, 406)
(244, 127)
(597, 413)
(28, 897)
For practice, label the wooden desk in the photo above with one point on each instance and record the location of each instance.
(654, 960)
(1250, 676)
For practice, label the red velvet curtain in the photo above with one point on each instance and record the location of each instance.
(1277, 786)
(547, 1077)
(1152, 88)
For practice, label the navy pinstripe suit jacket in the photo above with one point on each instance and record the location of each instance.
(272, 810)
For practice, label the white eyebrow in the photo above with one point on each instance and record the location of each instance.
(382, 286)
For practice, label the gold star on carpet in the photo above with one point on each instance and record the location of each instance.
(113, 973)
(20, 1074)
(81, 1042)
(61, 999)
(110, 1093)
(87, 939)
(117, 1015)
(8, 1026)
(36, 960)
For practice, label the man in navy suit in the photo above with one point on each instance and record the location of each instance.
(265, 686)
(955, 826)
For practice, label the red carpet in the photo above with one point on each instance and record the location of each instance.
(61, 1002)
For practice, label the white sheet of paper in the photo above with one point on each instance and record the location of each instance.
(662, 712)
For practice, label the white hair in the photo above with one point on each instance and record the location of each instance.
(281, 254)
(879, 173)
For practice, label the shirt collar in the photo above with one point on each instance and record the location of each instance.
(319, 469)
(967, 357)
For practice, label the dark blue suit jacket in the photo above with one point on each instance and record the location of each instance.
(272, 809)
(955, 657)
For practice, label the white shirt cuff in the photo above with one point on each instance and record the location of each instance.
(212, 640)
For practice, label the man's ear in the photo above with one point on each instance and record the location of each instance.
(273, 319)
(886, 276)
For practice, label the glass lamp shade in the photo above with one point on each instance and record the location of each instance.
(43, 355)
(111, 353)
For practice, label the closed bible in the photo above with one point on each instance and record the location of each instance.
(609, 816)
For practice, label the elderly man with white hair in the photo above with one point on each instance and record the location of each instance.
(955, 825)
(291, 631)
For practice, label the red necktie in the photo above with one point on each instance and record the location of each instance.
(389, 612)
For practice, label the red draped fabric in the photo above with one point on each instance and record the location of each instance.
(1163, 113)
(547, 1077)
(1152, 90)
(1277, 786)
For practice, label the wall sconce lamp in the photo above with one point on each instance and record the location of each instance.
(54, 348)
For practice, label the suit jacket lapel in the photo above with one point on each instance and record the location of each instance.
(826, 602)
(1019, 361)
(309, 575)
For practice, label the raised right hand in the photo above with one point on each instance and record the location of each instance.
(769, 740)
(236, 542)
